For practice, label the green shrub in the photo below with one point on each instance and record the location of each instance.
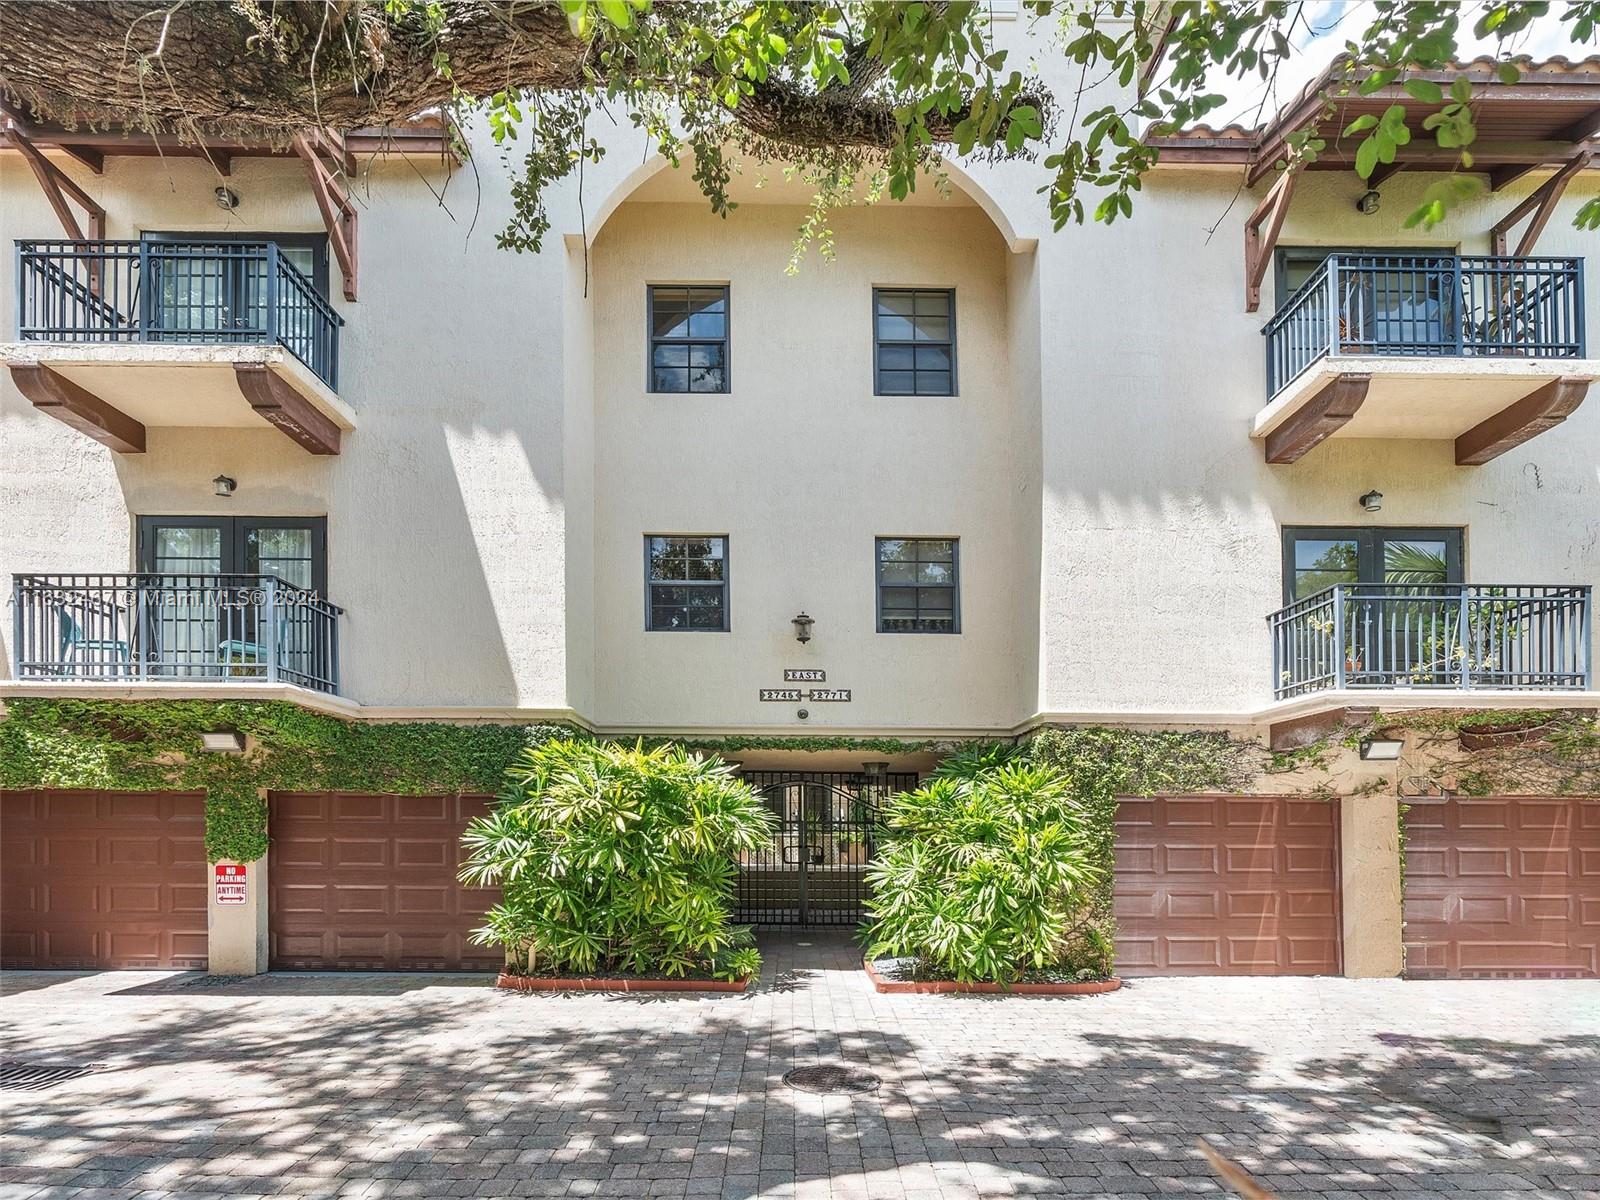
(617, 858)
(988, 871)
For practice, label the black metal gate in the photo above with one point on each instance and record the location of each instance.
(815, 872)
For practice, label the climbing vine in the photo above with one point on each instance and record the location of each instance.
(154, 745)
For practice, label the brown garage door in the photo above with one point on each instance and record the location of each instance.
(1224, 885)
(1503, 887)
(368, 882)
(102, 879)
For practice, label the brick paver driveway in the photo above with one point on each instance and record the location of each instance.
(395, 1085)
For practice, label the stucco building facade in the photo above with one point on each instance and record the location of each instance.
(1089, 505)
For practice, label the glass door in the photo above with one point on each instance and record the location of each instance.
(1401, 616)
(204, 606)
(212, 287)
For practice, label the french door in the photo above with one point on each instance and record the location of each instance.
(207, 617)
(210, 287)
(1402, 612)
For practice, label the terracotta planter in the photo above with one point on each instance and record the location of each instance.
(1487, 737)
(528, 983)
(940, 987)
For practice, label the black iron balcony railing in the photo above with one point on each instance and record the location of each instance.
(186, 292)
(1433, 306)
(1514, 636)
(190, 628)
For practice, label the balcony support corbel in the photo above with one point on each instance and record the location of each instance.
(1541, 203)
(1319, 418)
(1527, 418)
(327, 159)
(286, 408)
(64, 400)
(1261, 232)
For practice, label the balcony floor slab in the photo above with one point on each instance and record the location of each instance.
(177, 385)
(1421, 398)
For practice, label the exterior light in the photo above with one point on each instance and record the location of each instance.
(802, 627)
(874, 769)
(1380, 749)
(1368, 204)
(1372, 501)
(227, 198)
(222, 741)
(223, 486)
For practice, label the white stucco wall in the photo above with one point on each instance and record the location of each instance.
(1120, 532)
(801, 466)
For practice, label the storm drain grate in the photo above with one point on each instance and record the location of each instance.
(37, 1077)
(832, 1081)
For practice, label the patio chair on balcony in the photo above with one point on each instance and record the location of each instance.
(79, 650)
(246, 657)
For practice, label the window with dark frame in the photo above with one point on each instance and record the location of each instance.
(918, 585)
(686, 583)
(688, 338)
(1317, 557)
(914, 341)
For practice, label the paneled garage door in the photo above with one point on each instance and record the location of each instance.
(368, 882)
(102, 879)
(1223, 885)
(1503, 887)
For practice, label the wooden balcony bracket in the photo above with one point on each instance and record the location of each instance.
(1318, 418)
(1261, 232)
(75, 406)
(1541, 203)
(1527, 418)
(286, 408)
(331, 166)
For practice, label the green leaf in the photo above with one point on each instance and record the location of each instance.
(1424, 90)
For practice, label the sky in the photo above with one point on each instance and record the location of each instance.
(1329, 23)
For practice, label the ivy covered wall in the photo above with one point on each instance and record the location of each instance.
(154, 745)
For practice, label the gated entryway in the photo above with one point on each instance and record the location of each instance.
(815, 873)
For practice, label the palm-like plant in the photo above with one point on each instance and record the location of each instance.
(987, 871)
(617, 858)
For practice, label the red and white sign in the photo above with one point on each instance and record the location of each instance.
(231, 883)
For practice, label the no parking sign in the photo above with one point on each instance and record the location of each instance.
(230, 883)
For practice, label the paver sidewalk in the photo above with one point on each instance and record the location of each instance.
(418, 1085)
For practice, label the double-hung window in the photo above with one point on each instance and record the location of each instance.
(914, 341)
(688, 338)
(918, 587)
(686, 583)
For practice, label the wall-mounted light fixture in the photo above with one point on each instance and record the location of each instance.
(1381, 749)
(222, 741)
(227, 198)
(222, 485)
(874, 770)
(803, 714)
(802, 627)
(1368, 204)
(1372, 501)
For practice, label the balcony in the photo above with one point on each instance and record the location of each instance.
(1513, 637)
(114, 337)
(1487, 352)
(180, 628)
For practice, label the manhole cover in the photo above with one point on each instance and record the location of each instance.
(832, 1081)
(36, 1077)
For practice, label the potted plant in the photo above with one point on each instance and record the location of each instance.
(852, 848)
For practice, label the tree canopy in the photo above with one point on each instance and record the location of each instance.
(849, 92)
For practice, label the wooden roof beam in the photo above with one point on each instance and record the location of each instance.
(1261, 230)
(1541, 203)
(327, 158)
(58, 188)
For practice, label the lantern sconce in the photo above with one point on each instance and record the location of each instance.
(222, 485)
(802, 627)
